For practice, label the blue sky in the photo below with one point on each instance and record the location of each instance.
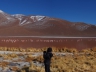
(71, 10)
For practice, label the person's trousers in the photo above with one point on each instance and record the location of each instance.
(47, 67)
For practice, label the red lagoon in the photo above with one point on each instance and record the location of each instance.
(39, 42)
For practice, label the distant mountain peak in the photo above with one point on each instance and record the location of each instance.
(37, 17)
(1, 11)
(18, 15)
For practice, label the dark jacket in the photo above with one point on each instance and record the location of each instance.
(47, 56)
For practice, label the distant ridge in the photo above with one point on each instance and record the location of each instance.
(22, 25)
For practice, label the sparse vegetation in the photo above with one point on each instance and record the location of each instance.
(64, 59)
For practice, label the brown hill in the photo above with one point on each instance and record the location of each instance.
(21, 25)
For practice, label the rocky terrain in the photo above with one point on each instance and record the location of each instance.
(31, 60)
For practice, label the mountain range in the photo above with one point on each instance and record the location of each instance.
(37, 25)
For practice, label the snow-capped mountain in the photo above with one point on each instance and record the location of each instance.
(37, 25)
(27, 19)
(6, 19)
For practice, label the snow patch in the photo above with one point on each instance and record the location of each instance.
(28, 22)
(10, 18)
(18, 16)
(23, 22)
(82, 27)
(37, 18)
(33, 18)
(1, 11)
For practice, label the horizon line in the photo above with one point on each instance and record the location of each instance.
(48, 36)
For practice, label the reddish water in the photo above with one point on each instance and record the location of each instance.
(24, 42)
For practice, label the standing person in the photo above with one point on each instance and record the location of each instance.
(47, 55)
